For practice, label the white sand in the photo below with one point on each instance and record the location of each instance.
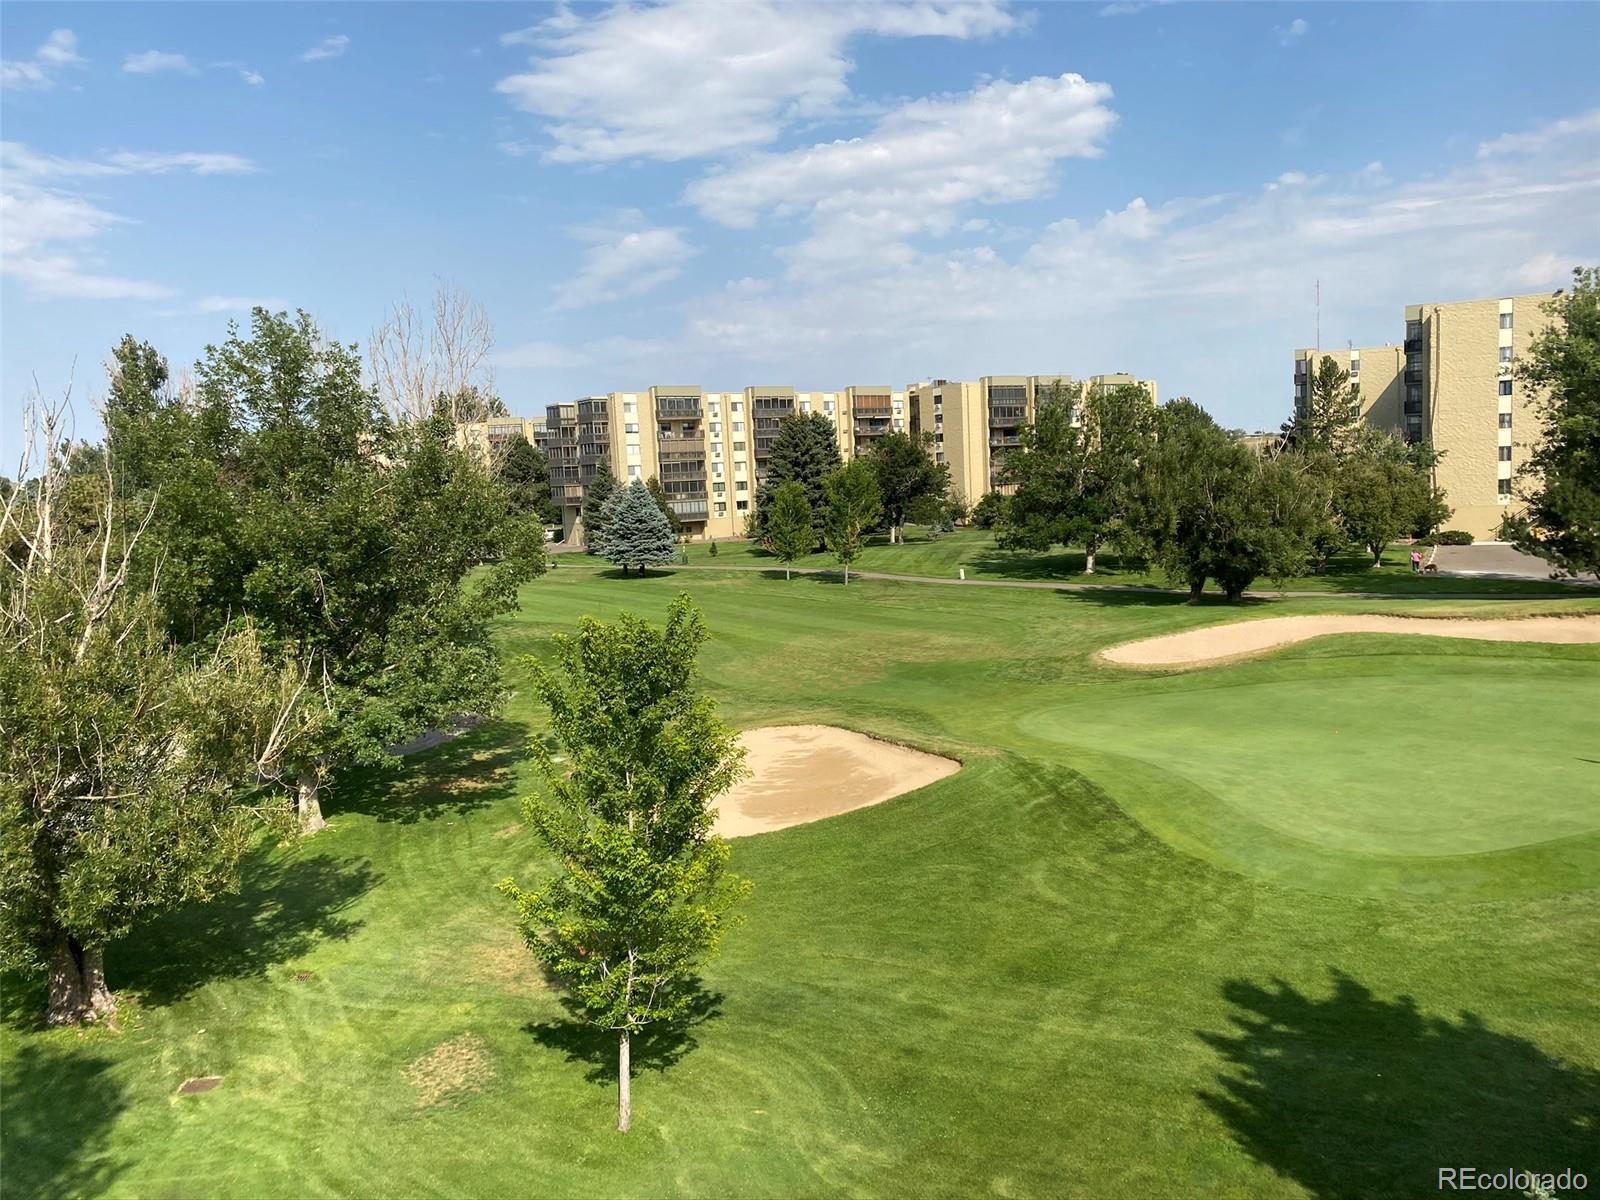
(1217, 643)
(803, 773)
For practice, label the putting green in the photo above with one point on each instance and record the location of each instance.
(1398, 776)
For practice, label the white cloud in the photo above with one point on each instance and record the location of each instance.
(701, 77)
(622, 262)
(223, 304)
(58, 51)
(926, 159)
(1586, 125)
(516, 149)
(47, 231)
(21, 162)
(152, 61)
(1225, 280)
(918, 172)
(245, 72)
(329, 47)
(1292, 32)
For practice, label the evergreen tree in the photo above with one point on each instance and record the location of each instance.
(526, 473)
(659, 495)
(634, 532)
(789, 525)
(1328, 419)
(853, 506)
(1561, 483)
(805, 450)
(643, 895)
(600, 489)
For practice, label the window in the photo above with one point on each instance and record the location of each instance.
(631, 427)
(716, 428)
(736, 407)
(741, 486)
(738, 426)
(1505, 489)
(722, 508)
(742, 505)
(827, 406)
(1505, 453)
(634, 472)
(1505, 353)
(716, 469)
(805, 406)
(627, 406)
(1355, 367)
(738, 445)
(1505, 387)
(719, 489)
(1505, 320)
(1505, 420)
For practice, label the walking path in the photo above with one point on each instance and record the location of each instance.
(1567, 590)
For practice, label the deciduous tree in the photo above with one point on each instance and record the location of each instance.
(853, 507)
(643, 895)
(130, 769)
(906, 474)
(526, 473)
(1561, 483)
(789, 524)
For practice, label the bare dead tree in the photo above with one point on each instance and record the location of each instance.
(418, 359)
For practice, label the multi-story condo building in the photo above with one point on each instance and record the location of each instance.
(494, 434)
(710, 450)
(975, 423)
(1458, 389)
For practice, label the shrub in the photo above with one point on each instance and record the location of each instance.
(1453, 537)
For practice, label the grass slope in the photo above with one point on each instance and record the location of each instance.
(1003, 984)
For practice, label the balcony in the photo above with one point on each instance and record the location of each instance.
(678, 410)
(777, 404)
(1009, 415)
(1004, 443)
(690, 510)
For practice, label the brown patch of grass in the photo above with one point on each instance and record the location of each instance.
(502, 961)
(510, 830)
(452, 1070)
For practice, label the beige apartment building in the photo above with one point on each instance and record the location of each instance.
(1455, 386)
(975, 422)
(710, 449)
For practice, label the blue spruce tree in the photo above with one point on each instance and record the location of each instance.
(634, 530)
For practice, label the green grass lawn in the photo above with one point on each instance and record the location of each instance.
(975, 550)
(1162, 935)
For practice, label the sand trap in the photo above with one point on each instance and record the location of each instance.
(1217, 643)
(803, 773)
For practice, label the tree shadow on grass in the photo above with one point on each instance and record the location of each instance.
(58, 1107)
(1355, 1097)
(284, 907)
(462, 775)
(655, 1048)
(1130, 596)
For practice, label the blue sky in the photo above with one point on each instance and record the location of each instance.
(733, 193)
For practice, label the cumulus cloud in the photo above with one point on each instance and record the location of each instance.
(59, 51)
(151, 61)
(701, 77)
(609, 352)
(328, 47)
(48, 230)
(1292, 32)
(628, 260)
(247, 73)
(1226, 280)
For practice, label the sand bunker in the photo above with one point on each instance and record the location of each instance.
(803, 773)
(1217, 643)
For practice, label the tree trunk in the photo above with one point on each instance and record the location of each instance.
(307, 806)
(1196, 586)
(847, 574)
(101, 1002)
(68, 999)
(624, 1085)
(1233, 592)
(786, 570)
(1088, 562)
